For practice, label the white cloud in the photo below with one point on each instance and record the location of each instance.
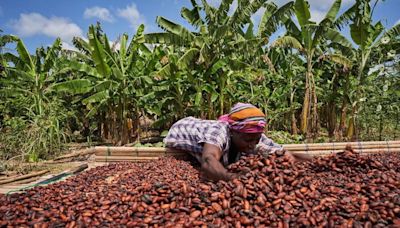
(115, 45)
(68, 46)
(98, 12)
(35, 24)
(132, 15)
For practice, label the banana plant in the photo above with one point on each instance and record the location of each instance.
(212, 48)
(114, 80)
(28, 82)
(31, 75)
(307, 39)
(368, 37)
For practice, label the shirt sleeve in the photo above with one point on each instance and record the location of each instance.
(266, 145)
(216, 137)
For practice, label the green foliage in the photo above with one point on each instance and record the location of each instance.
(312, 73)
(34, 137)
(284, 137)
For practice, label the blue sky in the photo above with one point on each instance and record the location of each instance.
(39, 22)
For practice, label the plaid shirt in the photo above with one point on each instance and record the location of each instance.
(190, 134)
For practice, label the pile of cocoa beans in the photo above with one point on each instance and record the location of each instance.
(341, 190)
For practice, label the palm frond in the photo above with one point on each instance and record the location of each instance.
(287, 41)
(76, 86)
(302, 11)
(108, 85)
(292, 29)
(7, 39)
(192, 16)
(210, 13)
(24, 55)
(273, 19)
(165, 38)
(97, 97)
(242, 14)
(81, 45)
(52, 55)
(74, 66)
(174, 28)
(98, 54)
(346, 17)
(336, 37)
(333, 11)
(187, 58)
(389, 36)
(339, 59)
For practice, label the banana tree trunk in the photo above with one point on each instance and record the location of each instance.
(380, 127)
(351, 125)
(396, 128)
(105, 127)
(331, 116)
(123, 122)
(314, 116)
(305, 113)
(331, 109)
(342, 124)
(354, 114)
(343, 109)
(293, 121)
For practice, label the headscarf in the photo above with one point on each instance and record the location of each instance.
(245, 118)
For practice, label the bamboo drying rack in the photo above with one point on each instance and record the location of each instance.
(138, 154)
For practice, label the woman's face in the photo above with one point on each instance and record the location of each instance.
(245, 142)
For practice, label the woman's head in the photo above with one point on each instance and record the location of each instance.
(246, 123)
(245, 142)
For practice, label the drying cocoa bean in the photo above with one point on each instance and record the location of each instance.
(342, 190)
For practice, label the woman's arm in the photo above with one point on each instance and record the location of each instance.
(211, 165)
(266, 146)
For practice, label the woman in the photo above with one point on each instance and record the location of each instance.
(217, 143)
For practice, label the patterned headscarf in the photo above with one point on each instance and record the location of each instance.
(245, 118)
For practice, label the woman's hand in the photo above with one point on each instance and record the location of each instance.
(296, 157)
(302, 157)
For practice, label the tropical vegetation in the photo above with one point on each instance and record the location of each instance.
(314, 82)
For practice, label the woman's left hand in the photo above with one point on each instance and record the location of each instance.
(294, 157)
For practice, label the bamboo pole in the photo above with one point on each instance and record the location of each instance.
(123, 158)
(333, 147)
(24, 177)
(311, 153)
(104, 153)
(82, 152)
(27, 181)
(162, 151)
(128, 149)
(139, 154)
(363, 151)
(341, 144)
(7, 177)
